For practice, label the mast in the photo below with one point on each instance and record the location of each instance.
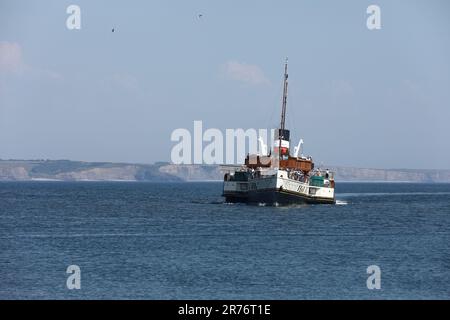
(283, 109)
(284, 101)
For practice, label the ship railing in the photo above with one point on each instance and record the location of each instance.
(326, 173)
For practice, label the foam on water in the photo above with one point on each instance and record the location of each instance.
(262, 204)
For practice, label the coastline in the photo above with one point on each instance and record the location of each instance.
(67, 170)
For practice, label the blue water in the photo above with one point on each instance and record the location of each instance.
(180, 241)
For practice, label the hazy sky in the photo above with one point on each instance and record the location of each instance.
(357, 97)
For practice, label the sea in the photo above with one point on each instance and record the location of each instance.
(142, 240)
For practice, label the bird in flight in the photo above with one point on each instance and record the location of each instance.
(112, 30)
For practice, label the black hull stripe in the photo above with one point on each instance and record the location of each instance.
(271, 195)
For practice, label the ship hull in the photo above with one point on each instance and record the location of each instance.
(276, 190)
(274, 197)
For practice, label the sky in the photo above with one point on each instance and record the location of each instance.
(357, 97)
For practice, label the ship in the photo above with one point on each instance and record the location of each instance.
(279, 177)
